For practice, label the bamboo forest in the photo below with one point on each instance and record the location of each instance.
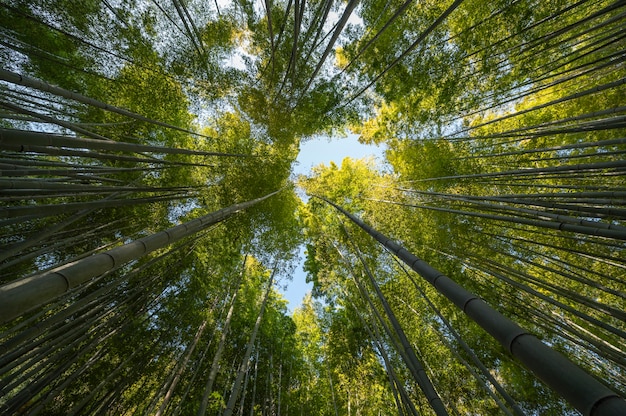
(151, 213)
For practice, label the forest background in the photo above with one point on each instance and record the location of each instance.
(149, 209)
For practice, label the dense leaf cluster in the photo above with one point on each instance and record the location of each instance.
(504, 126)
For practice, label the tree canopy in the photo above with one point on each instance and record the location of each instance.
(150, 214)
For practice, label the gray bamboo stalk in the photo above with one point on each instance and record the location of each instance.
(292, 59)
(220, 348)
(607, 349)
(93, 392)
(517, 173)
(403, 346)
(556, 324)
(256, 372)
(26, 81)
(580, 94)
(246, 380)
(56, 209)
(443, 16)
(53, 120)
(31, 361)
(479, 265)
(17, 170)
(317, 25)
(555, 225)
(20, 140)
(536, 85)
(395, 385)
(280, 386)
(527, 201)
(332, 388)
(115, 157)
(552, 287)
(52, 370)
(601, 143)
(533, 26)
(66, 381)
(245, 363)
(565, 269)
(400, 341)
(484, 370)
(561, 186)
(199, 367)
(32, 185)
(38, 351)
(35, 350)
(581, 390)
(342, 22)
(37, 237)
(399, 12)
(37, 323)
(598, 257)
(584, 33)
(179, 371)
(17, 298)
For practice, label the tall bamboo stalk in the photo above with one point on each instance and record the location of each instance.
(245, 363)
(581, 390)
(17, 298)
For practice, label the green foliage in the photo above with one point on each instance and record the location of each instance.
(504, 167)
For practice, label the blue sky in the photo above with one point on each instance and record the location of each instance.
(312, 153)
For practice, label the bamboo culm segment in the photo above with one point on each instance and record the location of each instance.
(19, 297)
(25, 81)
(21, 140)
(581, 390)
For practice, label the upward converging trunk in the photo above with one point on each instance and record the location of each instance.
(17, 298)
(245, 362)
(180, 369)
(208, 389)
(404, 347)
(554, 222)
(20, 140)
(329, 47)
(484, 370)
(580, 389)
(23, 80)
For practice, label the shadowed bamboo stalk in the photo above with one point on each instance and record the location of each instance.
(411, 48)
(179, 370)
(403, 346)
(49, 210)
(17, 298)
(482, 383)
(541, 172)
(208, 389)
(531, 202)
(483, 369)
(20, 140)
(576, 95)
(583, 226)
(580, 389)
(395, 385)
(245, 362)
(26, 81)
(340, 25)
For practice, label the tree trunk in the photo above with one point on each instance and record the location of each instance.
(20, 140)
(44, 86)
(581, 390)
(19, 297)
(180, 370)
(220, 348)
(243, 368)
(403, 346)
